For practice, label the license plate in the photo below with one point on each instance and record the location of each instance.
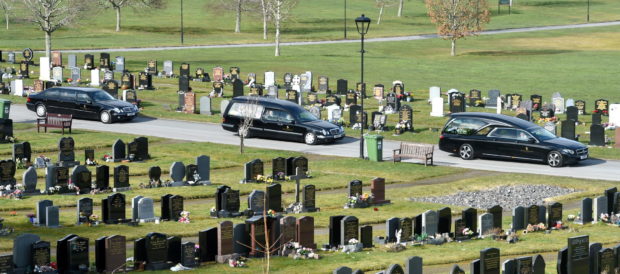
(338, 136)
(583, 157)
(131, 114)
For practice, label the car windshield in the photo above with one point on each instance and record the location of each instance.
(101, 96)
(541, 133)
(305, 116)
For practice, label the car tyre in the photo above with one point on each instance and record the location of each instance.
(555, 159)
(310, 138)
(466, 151)
(41, 110)
(105, 117)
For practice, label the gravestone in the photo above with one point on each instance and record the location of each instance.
(444, 220)
(278, 168)
(586, 211)
(351, 98)
(571, 113)
(156, 251)
(110, 253)
(578, 255)
(274, 197)
(81, 177)
(595, 248)
(84, 210)
(287, 230)
(207, 240)
(205, 105)
(429, 222)
(405, 116)
(111, 87)
(168, 68)
(121, 177)
(457, 102)
(305, 231)
(597, 135)
(113, 208)
(103, 177)
(252, 170)
(391, 227)
(377, 188)
(554, 214)
(334, 230)
(437, 107)
(539, 265)
(469, 216)
(40, 254)
(532, 215)
(309, 199)
(496, 211)
(66, 156)
(188, 254)
(558, 101)
(355, 188)
(177, 173)
(366, 236)
(413, 265)
(145, 210)
(457, 270)
(256, 202)
(486, 224)
(406, 228)
(600, 207)
(224, 241)
(203, 167)
(151, 67)
(349, 229)
(29, 180)
(119, 150)
(22, 252)
(134, 207)
(518, 218)
(606, 261)
(568, 129)
(601, 106)
(489, 261)
(524, 264)
(41, 208)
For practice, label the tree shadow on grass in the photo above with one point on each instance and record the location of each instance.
(558, 4)
(516, 52)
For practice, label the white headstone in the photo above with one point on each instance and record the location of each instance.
(614, 114)
(57, 74)
(499, 105)
(308, 84)
(94, 78)
(270, 79)
(44, 69)
(558, 101)
(434, 92)
(17, 87)
(437, 107)
(330, 112)
(223, 106)
(570, 102)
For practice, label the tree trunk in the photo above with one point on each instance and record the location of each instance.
(380, 14)
(238, 21)
(241, 144)
(262, 3)
(6, 19)
(400, 8)
(453, 50)
(278, 17)
(267, 243)
(48, 44)
(118, 18)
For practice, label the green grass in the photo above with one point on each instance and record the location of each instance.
(312, 20)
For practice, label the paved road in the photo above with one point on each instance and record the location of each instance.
(348, 147)
(371, 40)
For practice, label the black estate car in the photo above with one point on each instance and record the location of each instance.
(87, 103)
(475, 134)
(274, 118)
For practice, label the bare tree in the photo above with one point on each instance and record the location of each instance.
(381, 4)
(400, 7)
(280, 11)
(7, 7)
(457, 19)
(51, 15)
(238, 17)
(117, 5)
(248, 111)
(263, 5)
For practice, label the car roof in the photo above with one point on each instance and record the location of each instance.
(78, 89)
(513, 121)
(269, 102)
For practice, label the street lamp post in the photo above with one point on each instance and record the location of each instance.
(362, 23)
(345, 19)
(182, 30)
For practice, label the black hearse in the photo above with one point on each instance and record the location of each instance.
(475, 134)
(274, 118)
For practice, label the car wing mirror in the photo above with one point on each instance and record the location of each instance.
(531, 140)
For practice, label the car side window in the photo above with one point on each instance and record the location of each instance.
(286, 117)
(67, 95)
(504, 133)
(522, 135)
(83, 97)
(52, 94)
(464, 126)
(270, 115)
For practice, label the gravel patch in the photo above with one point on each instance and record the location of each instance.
(508, 197)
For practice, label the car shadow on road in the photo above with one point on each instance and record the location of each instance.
(590, 162)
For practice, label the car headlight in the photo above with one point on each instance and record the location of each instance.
(325, 132)
(341, 129)
(568, 151)
(116, 110)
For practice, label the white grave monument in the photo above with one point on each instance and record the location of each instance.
(44, 69)
(434, 92)
(614, 114)
(437, 107)
(94, 78)
(17, 87)
(498, 105)
(270, 79)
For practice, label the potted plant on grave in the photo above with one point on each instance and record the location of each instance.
(359, 201)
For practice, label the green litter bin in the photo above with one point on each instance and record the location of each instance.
(5, 106)
(374, 145)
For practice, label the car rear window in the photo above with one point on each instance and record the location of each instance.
(464, 126)
(246, 110)
(67, 94)
(52, 93)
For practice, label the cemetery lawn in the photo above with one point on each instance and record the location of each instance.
(312, 20)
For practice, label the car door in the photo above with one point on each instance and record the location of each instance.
(290, 127)
(66, 101)
(504, 143)
(85, 106)
(528, 147)
(51, 100)
(271, 125)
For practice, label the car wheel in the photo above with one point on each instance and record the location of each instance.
(310, 138)
(466, 151)
(555, 159)
(105, 117)
(41, 110)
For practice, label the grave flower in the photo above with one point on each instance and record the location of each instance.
(30, 217)
(184, 217)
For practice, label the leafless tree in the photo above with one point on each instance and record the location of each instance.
(263, 6)
(248, 111)
(280, 11)
(51, 15)
(7, 7)
(382, 4)
(400, 7)
(117, 5)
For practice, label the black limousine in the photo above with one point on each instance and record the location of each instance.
(86, 103)
(280, 119)
(475, 134)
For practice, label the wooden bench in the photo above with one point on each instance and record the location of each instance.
(54, 120)
(414, 151)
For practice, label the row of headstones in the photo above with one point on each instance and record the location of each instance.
(592, 210)
(57, 179)
(228, 202)
(581, 256)
(281, 168)
(413, 265)
(377, 189)
(569, 130)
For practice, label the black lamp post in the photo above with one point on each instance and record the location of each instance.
(182, 30)
(362, 23)
(345, 19)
